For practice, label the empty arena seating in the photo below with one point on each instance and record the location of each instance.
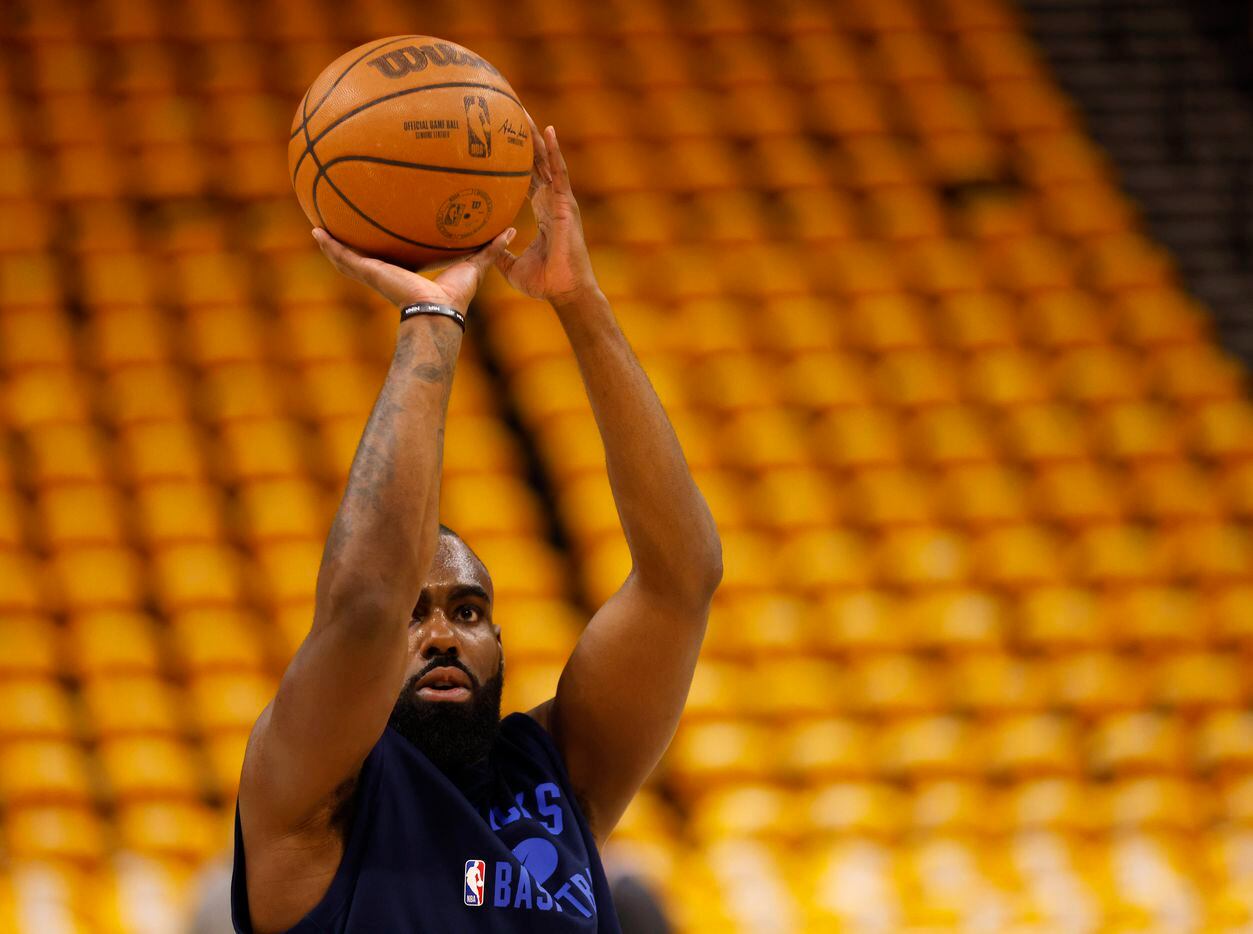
(984, 480)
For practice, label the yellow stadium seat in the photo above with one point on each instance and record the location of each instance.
(171, 512)
(28, 646)
(1065, 158)
(1172, 491)
(1138, 431)
(897, 684)
(286, 571)
(197, 574)
(764, 439)
(182, 831)
(1136, 742)
(956, 620)
(822, 560)
(1222, 429)
(145, 392)
(990, 43)
(858, 622)
(850, 111)
(29, 229)
(1078, 494)
(1048, 804)
(1030, 746)
(1087, 211)
(1158, 618)
(66, 454)
(34, 709)
(21, 591)
(718, 752)
(112, 642)
(927, 747)
(947, 806)
(743, 811)
(1195, 681)
(158, 451)
(792, 689)
(43, 772)
(1057, 619)
(890, 496)
(35, 337)
(13, 511)
(1019, 556)
(854, 809)
(1010, 377)
(818, 216)
(1099, 375)
(783, 164)
(225, 754)
(129, 336)
(750, 559)
(549, 388)
(481, 444)
(886, 321)
(1065, 319)
(80, 515)
(717, 685)
(905, 215)
(859, 438)
(1223, 742)
(917, 378)
(1231, 609)
(55, 834)
(1211, 552)
(1125, 260)
(242, 390)
(228, 702)
(142, 768)
(1155, 803)
(822, 380)
(522, 567)
(1169, 321)
(983, 494)
(976, 321)
(1118, 554)
(213, 639)
(1041, 434)
(487, 505)
(924, 557)
(45, 396)
(274, 510)
(96, 577)
(1030, 264)
(731, 382)
(132, 705)
(264, 448)
(994, 683)
(1094, 683)
(949, 271)
(791, 499)
(760, 625)
(826, 749)
(951, 435)
(818, 54)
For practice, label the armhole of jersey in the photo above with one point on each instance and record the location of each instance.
(335, 899)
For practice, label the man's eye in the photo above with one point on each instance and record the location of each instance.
(468, 612)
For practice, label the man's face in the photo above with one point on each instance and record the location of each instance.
(450, 704)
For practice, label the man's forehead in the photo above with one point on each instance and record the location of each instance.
(456, 565)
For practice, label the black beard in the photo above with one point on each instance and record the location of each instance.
(453, 735)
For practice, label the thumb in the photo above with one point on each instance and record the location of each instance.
(504, 262)
(485, 257)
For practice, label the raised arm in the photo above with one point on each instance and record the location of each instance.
(335, 697)
(621, 693)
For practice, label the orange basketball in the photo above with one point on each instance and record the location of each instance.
(411, 149)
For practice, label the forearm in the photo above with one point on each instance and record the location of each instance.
(384, 535)
(669, 530)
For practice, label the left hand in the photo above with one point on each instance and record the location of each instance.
(556, 266)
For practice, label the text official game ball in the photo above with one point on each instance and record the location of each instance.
(411, 149)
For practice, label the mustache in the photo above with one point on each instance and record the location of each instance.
(445, 661)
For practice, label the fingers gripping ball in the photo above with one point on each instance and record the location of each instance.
(411, 149)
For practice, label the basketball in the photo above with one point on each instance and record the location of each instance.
(411, 149)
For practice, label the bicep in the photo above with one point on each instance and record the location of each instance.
(621, 694)
(331, 707)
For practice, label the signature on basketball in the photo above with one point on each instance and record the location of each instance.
(514, 135)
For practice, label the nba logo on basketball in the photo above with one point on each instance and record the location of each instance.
(476, 870)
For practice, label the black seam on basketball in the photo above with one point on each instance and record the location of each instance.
(429, 168)
(387, 97)
(335, 83)
(373, 223)
(304, 109)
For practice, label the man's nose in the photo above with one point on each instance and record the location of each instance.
(437, 635)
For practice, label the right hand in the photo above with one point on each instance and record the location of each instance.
(453, 286)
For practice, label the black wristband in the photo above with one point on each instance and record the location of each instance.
(433, 308)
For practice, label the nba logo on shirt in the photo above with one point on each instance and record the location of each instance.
(476, 870)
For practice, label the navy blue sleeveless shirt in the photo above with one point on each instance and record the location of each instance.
(510, 853)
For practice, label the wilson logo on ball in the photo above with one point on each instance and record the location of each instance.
(400, 62)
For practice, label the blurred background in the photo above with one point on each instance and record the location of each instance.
(947, 300)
